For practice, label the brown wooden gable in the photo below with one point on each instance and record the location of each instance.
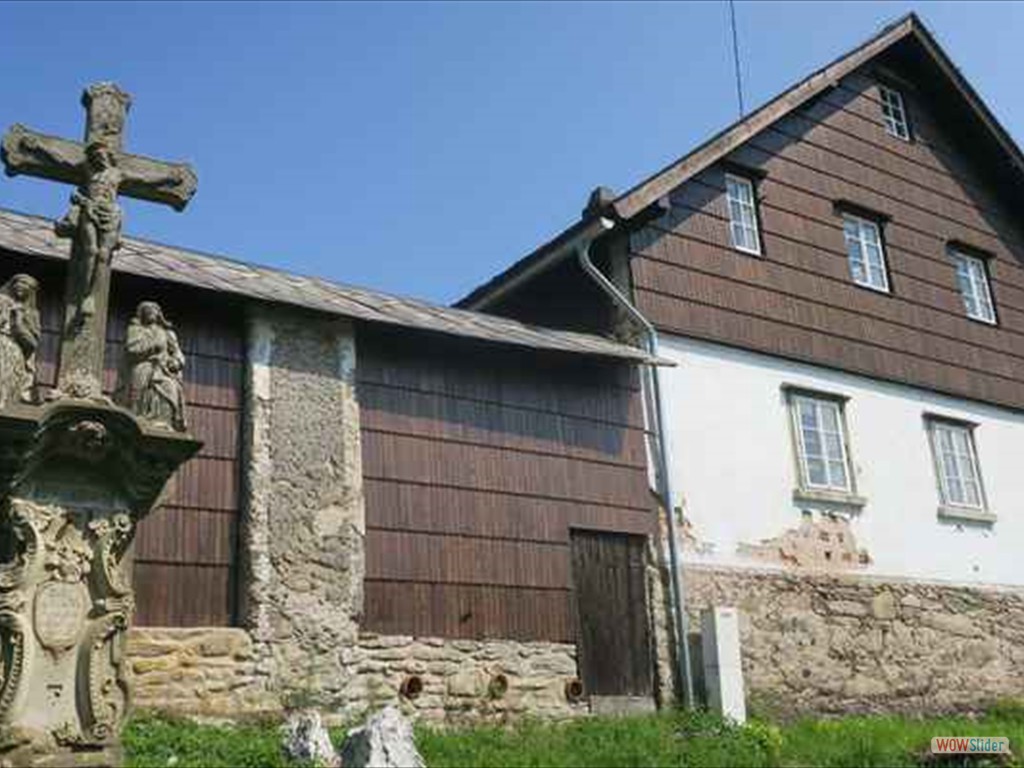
(820, 144)
(798, 300)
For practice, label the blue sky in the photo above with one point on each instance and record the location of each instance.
(419, 148)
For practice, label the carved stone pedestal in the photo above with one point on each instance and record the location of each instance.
(75, 479)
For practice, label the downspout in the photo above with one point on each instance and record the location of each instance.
(663, 460)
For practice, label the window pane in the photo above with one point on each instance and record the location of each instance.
(736, 233)
(834, 446)
(808, 414)
(971, 495)
(816, 472)
(837, 474)
(956, 491)
(830, 416)
(812, 443)
(869, 233)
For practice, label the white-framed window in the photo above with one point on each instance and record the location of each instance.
(972, 278)
(864, 249)
(743, 232)
(956, 464)
(820, 436)
(893, 113)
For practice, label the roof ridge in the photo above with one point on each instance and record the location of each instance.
(185, 266)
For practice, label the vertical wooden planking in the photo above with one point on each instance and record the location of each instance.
(476, 462)
(611, 608)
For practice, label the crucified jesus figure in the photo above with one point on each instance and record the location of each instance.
(94, 221)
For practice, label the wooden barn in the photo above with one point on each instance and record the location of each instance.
(393, 500)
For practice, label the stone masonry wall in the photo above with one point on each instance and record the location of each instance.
(459, 678)
(197, 671)
(818, 643)
(304, 519)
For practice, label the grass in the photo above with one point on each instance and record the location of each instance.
(161, 742)
(667, 739)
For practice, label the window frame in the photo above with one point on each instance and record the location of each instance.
(948, 508)
(957, 253)
(750, 184)
(805, 490)
(891, 100)
(876, 222)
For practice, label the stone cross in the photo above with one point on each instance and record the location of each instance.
(100, 170)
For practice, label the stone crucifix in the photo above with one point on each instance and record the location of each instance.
(101, 171)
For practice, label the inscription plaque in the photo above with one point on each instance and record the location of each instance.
(60, 614)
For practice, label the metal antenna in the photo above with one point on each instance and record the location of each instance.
(736, 56)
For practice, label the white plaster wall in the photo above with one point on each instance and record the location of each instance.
(734, 467)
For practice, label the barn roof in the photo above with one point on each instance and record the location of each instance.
(33, 235)
(1004, 155)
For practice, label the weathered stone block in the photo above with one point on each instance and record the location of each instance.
(883, 606)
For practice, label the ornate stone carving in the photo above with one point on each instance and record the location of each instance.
(101, 171)
(77, 473)
(74, 479)
(19, 339)
(151, 377)
(72, 575)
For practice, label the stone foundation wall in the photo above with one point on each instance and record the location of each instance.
(197, 671)
(214, 672)
(459, 678)
(817, 643)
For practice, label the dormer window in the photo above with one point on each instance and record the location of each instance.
(893, 113)
(743, 233)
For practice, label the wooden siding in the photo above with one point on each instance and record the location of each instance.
(185, 551)
(799, 301)
(477, 462)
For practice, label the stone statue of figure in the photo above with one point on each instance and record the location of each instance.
(151, 378)
(19, 339)
(94, 219)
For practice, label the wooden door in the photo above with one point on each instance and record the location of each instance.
(613, 636)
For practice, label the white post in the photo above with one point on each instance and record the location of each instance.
(723, 670)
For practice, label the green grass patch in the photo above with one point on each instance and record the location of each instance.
(152, 741)
(671, 739)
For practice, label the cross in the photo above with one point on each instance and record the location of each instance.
(101, 171)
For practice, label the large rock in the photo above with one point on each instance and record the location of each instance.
(306, 740)
(386, 741)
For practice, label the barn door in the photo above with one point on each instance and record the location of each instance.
(613, 640)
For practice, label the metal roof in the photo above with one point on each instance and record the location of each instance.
(34, 236)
